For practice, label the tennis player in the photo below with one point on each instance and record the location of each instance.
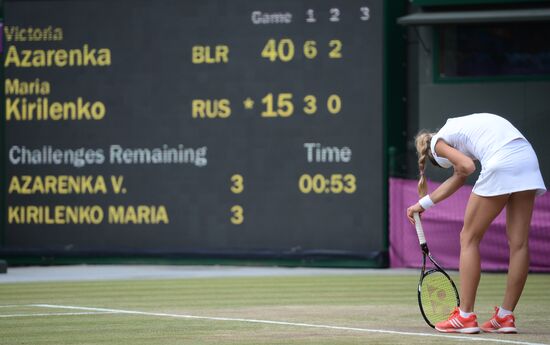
(510, 177)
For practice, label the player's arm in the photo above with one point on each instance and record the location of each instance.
(463, 166)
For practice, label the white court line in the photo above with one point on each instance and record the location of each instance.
(56, 314)
(283, 323)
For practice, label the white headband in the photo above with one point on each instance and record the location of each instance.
(443, 162)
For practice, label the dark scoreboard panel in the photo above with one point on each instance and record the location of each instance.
(213, 127)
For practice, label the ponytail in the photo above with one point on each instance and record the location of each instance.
(422, 143)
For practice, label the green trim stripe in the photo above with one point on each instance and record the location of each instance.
(393, 97)
(142, 260)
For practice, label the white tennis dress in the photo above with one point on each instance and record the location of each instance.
(508, 162)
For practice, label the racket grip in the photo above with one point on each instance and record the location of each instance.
(419, 230)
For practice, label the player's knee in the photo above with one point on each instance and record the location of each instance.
(518, 244)
(469, 238)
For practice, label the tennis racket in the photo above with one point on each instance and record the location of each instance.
(437, 293)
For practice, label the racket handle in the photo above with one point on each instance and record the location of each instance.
(419, 230)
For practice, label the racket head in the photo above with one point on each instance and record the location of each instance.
(437, 296)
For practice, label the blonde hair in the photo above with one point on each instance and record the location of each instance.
(422, 144)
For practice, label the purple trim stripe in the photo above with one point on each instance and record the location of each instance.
(442, 225)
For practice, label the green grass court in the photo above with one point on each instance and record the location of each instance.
(348, 309)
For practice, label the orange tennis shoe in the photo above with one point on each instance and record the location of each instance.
(506, 324)
(458, 324)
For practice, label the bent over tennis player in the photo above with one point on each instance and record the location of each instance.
(510, 176)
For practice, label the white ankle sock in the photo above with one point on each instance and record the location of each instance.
(503, 312)
(465, 314)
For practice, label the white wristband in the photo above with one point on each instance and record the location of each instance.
(426, 202)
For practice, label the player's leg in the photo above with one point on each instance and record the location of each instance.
(480, 212)
(519, 211)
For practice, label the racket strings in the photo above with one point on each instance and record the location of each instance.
(438, 297)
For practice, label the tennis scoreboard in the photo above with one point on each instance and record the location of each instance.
(213, 127)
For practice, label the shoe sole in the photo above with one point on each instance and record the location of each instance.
(505, 330)
(468, 330)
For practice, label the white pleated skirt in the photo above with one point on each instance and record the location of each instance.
(513, 168)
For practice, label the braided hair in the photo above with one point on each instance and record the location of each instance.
(422, 142)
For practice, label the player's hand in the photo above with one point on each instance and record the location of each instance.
(416, 208)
